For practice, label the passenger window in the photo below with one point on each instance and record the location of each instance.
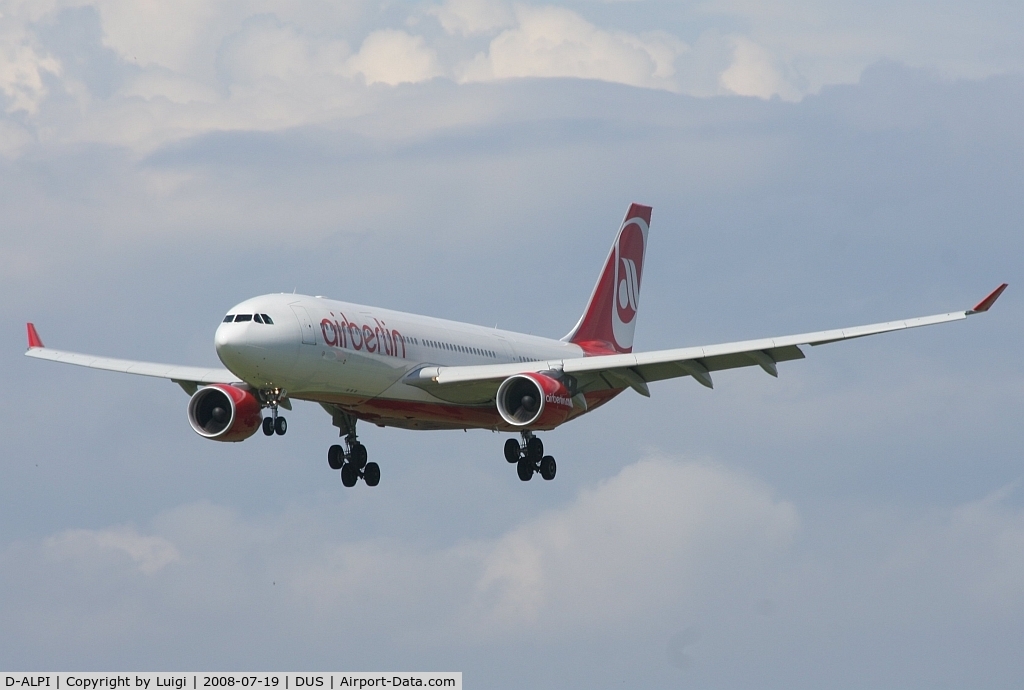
(257, 318)
(229, 318)
(267, 320)
(243, 317)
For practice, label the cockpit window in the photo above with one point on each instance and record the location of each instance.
(229, 318)
(243, 317)
(268, 320)
(257, 318)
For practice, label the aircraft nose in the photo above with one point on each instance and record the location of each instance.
(227, 336)
(231, 343)
(260, 352)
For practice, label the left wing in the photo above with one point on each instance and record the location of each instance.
(636, 370)
(189, 378)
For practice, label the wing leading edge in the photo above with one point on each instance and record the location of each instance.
(189, 378)
(636, 370)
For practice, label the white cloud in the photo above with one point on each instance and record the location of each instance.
(753, 73)
(473, 17)
(151, 32)
(23, 67)
(394, 57)
(555, 42)
(203, 65)
(266, 49)
(154, 84)
(682, 525)
(87, 547)
(287, 65)
(702, 562)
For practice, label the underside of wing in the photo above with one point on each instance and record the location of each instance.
(189, 378)
(636, 370)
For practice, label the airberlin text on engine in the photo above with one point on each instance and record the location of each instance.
(562, 400)
(351, 335)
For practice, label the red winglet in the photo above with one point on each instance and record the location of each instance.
(33, 337)
(986, 304)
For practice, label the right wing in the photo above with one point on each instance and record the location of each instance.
(636, 370)
(189, 378)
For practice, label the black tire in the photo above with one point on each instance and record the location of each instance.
(349, 474)
(534, 448)
(335, 457)
(358, 456)
(268, 426)
(371, 475)
(525, 469)
(512, 450)
(281, 426)
(548, 467)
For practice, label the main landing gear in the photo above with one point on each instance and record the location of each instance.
(274, 424)
(352, 462)
(529, 457)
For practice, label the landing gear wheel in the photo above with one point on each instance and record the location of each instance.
(280, 426)
(268, 426)
(349, 475)
(525, 469)
(512, 450)
(357, 456)
(335, 457)
(371, 475)
(548, 468)
(534, 448)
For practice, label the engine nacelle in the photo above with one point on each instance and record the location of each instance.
(224, 413)
(534, 400)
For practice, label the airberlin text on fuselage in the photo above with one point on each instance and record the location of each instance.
(351, 335)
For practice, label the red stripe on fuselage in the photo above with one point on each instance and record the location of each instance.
(405, 413)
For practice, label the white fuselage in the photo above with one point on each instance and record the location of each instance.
(356, 357)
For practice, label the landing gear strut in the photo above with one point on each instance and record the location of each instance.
(529, 457)
(274, 424)
(351, 460)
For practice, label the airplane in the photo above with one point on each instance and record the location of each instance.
(395, 369)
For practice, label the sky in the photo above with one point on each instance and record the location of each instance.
(858, 522)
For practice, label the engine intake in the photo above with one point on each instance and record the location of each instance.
(534, 400)
(224, 413)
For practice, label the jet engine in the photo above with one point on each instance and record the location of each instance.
(224, 413)
(537, 400)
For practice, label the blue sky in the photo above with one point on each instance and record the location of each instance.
(856, 523)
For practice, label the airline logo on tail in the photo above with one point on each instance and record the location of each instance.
(629, 265)
(607, 324)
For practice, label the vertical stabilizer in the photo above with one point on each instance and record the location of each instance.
(607, 324)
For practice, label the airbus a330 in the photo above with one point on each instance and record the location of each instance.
(416, 372)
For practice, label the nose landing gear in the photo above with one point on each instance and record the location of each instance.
(529, 457)
(272, 398)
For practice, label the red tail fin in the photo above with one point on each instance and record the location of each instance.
(606, 326)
